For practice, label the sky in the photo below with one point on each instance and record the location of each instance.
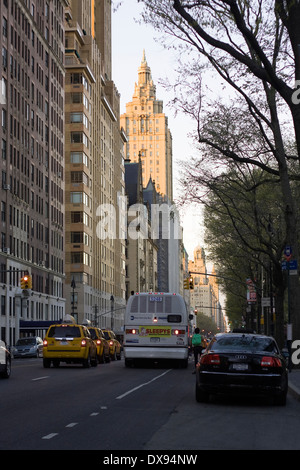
(129, 39)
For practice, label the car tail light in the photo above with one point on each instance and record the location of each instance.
(45, 343)
(210, 359)
(98, 342)
(270, 361)
(83, 343)
(111, 343)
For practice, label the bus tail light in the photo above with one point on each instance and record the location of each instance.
(132, 331)
(177, 332)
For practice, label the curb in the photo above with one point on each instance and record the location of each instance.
(295, 391)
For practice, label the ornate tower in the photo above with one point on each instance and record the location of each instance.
(149, 137)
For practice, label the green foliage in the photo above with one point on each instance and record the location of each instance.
(206, 323)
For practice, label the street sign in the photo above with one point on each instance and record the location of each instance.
(251, 291)
(266, 302)
(291, 266)
(288, 252)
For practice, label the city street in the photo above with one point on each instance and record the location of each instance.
(112, 407)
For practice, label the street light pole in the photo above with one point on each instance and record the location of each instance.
(112, 301)
(73, 285)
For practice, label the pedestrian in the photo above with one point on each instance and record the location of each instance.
(196, 343)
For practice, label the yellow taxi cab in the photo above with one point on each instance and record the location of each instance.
(103, 353)
(114, 345)
(69, 342)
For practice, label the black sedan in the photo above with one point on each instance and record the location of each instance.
(242, 363)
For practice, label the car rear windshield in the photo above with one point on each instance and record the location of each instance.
(243, 343)
(64, 332)
(26, 341)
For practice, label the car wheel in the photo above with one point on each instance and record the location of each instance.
(94, 361)
(280, 400)
(101, 358)
(119, 356)
(56, 363)
(46, 363)
(7, 371)
(87, 362)
(201, 396)
(107, 358)
(113, 356)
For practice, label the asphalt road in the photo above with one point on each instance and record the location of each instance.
(114, 408)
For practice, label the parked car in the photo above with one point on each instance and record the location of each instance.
(242, 363)
(29, 346)
(114, 345)
(5, 361)
(70, 343)
(102, 344)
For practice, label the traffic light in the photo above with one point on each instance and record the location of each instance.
(191, 283)
(186, 283)
(26, 282)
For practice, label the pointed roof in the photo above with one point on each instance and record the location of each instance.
(144, 86)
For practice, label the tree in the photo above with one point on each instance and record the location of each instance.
(254, 48)
(206, 324)
(243, 231)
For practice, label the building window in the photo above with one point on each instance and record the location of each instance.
(3, 149)
(76, 198)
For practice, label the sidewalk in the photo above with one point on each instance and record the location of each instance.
(294, 383)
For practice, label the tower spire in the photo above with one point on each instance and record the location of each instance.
(144, 60)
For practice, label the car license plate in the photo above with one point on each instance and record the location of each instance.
(154, 340)
(240, 366)
(64, 343)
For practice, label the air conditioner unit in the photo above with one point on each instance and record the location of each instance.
(6, 250)
(6, 186)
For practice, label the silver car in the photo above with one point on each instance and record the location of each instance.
(31, 346)
(5, 361)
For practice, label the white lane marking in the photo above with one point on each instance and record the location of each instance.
(50, 436)
(142, 385)
(94, 414)
(40, 378)
(71, 425)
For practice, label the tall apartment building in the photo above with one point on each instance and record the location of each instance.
(141, 249)
(149, 142)
(205, 296)
(146, 127)
(32, 161)
(95, 266)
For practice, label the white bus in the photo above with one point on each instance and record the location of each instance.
(156, 327)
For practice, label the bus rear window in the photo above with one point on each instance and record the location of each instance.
(172, 304)
(174, 318)
(135, 305)
(157, 304)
